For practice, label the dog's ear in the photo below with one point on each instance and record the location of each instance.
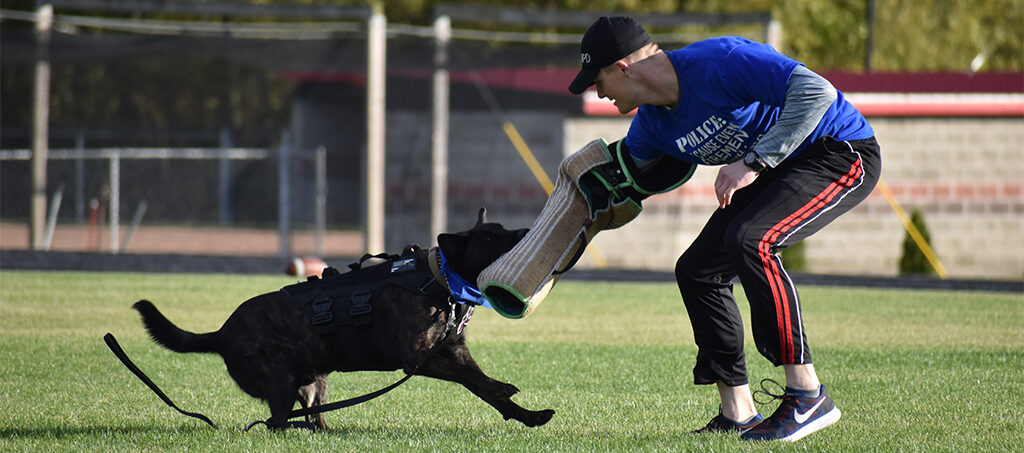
(520, 233)
(481, 217)
(452, 245)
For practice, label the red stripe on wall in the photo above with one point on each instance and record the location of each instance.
(888, 104)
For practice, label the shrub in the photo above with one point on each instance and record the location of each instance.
(913, 260)
(795, 257)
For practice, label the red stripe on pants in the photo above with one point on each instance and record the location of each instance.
(771, 266)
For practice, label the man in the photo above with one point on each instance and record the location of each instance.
(796, 155)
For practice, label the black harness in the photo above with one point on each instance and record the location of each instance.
(343, 299)
(346, 299)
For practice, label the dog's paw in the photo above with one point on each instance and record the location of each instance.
(303, 425)
(537, 418)
(284, 426)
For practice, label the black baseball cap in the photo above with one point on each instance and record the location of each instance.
(606, 41)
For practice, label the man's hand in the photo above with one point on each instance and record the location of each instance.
(731, 178)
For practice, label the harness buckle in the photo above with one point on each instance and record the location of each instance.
(322, 311)
(361, 303)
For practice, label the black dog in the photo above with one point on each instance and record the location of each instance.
(274, 353)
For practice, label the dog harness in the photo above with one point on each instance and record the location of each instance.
(346, 299)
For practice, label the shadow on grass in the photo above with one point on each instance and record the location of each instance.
(72, 431)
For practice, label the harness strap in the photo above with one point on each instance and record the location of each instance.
(434, 261)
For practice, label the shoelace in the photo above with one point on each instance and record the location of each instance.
(765, 391)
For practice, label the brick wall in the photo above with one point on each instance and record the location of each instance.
(965, 174)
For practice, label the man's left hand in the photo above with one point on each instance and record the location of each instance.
(731, 178)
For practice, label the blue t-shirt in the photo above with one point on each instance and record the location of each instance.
(731, 91)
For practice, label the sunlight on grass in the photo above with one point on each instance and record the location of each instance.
(911, 370)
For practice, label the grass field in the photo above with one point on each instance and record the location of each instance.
(911, 371)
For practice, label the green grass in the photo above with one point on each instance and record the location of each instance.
(911, 371)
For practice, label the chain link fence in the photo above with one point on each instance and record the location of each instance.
(167, 136)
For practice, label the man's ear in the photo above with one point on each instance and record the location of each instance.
(452, 245)
(622, 66)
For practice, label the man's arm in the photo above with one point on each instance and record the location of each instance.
(808, 96)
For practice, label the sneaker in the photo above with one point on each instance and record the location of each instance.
(796, 417)
(720, 424)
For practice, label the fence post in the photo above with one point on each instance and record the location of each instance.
(321, 199)
(115, 201)
(869, 43)
(376, 66)
(225, 210)
(40, 125)
(439, 137)
(773, 34)
(80, 177)
(283, 196)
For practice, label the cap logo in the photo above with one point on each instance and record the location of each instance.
(585, 58)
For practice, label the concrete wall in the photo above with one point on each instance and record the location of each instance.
(965, 174)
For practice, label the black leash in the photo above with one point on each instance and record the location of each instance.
(116, 348)
(449, 327)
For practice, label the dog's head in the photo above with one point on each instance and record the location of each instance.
(469, 252)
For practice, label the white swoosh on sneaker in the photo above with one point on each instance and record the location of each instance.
(802, 417)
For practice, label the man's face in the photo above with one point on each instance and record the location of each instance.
(613, 83)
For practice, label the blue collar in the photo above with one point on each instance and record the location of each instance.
(461, 290)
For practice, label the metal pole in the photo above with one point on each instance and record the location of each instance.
(773, 34)
(321, 199)
(283, 201)
(80, 177)
(136, 220)
(40, 126)
(375, 90)
(439, 137)
(51, 224)
(115, 202)
(224, 179)
(869, 45)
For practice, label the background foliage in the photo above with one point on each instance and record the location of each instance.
(909, 35)
(913, 260)
(182, 95)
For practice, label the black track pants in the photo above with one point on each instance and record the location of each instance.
(783, 206)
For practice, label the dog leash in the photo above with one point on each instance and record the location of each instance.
(450, 326)
(116, 349)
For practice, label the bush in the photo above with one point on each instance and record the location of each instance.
(913, 260)
(795, 257)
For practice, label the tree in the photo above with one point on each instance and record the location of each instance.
(914, 260)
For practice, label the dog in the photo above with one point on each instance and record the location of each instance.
(274, 353)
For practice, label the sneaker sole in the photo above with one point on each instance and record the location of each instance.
(817, 424)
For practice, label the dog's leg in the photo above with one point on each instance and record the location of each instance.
(455, 364)
(314, 394)
(281, 392)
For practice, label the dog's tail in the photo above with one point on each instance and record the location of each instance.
(170, 336)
